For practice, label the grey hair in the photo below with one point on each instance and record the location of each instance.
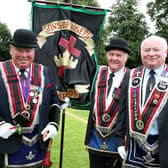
(155, 37)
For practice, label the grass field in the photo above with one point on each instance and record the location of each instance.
(74, 154)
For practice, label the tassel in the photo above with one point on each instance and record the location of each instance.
(47, 163)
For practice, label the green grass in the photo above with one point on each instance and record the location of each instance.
(75, 154)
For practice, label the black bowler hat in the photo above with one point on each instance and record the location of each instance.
(24, 38)
(118, 43)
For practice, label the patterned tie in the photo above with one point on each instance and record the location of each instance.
(150, 84)
(22, 75)
(110, 81)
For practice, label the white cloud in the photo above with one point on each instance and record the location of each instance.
(15, 13)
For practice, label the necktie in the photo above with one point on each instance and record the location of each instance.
(22, 75)
(110, 81)
(150, 84)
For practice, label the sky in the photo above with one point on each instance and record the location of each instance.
(16, 13)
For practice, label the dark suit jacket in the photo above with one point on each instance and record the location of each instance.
(46, 114)
(91, 119)
(122, 127)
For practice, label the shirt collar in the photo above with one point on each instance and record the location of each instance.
(118, 72)
(158, 71)
(17, 69)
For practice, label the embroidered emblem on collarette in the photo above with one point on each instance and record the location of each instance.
(30, 156)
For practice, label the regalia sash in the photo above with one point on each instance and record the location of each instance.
(141, 118)
(105, 119)
(23, 110)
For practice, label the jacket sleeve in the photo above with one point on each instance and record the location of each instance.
(90, 124)
(55, 105)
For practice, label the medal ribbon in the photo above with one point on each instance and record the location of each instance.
(15, 90)
(26, 89)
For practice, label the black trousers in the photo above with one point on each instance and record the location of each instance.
(98, 160)
(2, 162)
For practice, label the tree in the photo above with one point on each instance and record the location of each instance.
(101, 48)
(5, 36)
(158, 11)
(127, 22)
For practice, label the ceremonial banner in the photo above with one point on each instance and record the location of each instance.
(67, 39)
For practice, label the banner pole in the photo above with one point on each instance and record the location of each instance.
(70, 4)
(63, 106)
(62, 138)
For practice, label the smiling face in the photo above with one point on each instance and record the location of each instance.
(153, 53)
(116, 59)
(22, 57)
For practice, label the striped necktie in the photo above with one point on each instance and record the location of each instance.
(22, 75)
(110, 81)
(150, 84)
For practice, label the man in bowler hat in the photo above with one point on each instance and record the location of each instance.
(100, 135)
(30, 107)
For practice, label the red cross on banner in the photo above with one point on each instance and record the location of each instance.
(68, 45)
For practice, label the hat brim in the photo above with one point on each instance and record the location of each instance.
(127, 50)
(23, 45)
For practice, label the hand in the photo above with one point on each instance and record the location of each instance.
(49, 131)
(122, 152)
(6, 130)
(66, 104)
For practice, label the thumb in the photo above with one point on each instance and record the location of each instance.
(46, 137)
(122, 152)
(44, 130)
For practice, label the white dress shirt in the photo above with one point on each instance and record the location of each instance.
(158, 72)
(118, 77)
(25, 72)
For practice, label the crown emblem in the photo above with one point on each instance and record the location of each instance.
(66, 60)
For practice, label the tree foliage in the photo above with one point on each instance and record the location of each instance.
(127, 22)
(101, 48)
(5, 36)
(158, 11)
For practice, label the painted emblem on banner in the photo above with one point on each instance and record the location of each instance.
(66, 59)
(70, 57)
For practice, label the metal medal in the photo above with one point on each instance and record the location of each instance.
(140, 124)
(34, 100)
(106, 117)
(31, 94)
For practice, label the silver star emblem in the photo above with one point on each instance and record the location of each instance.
(30, 156)
(148, 158)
